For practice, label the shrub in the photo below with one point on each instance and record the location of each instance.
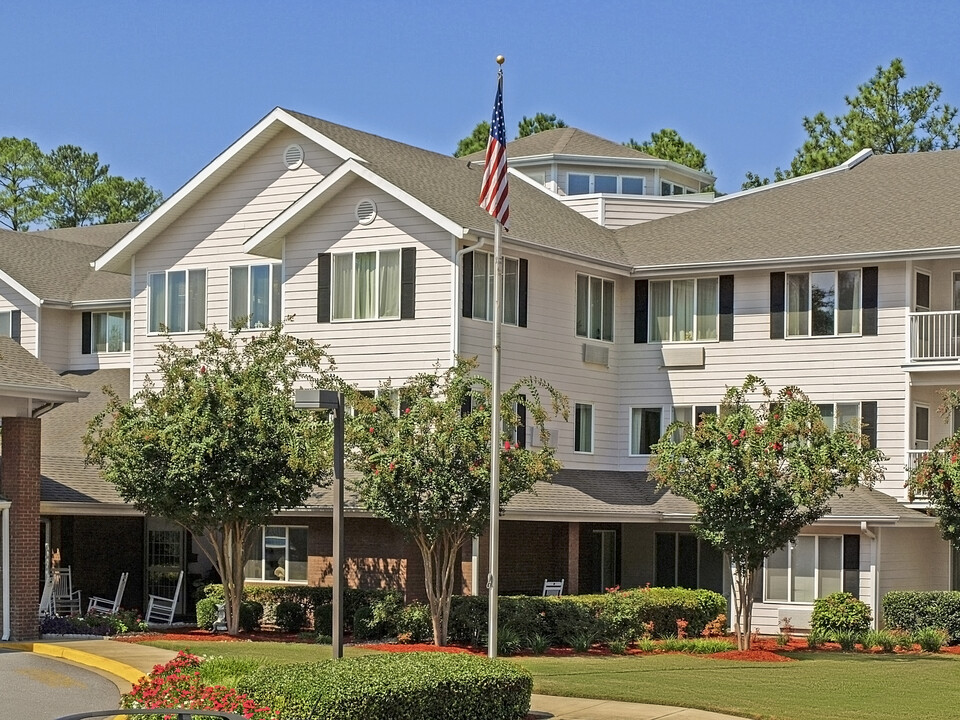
(538, 643)
(207, 612)
(251, 613)
(363, 626)
(913, 610)
(847, 639)
(508, 642)
(92, 623)
(617, 647)
(840, 612)
(816, 639)
(415, 622)
(930, 639)
(883, 639)
(394, 686)
(290, 616)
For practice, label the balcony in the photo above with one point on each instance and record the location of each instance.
(933, 336)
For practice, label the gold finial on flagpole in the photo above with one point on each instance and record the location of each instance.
(500, 59)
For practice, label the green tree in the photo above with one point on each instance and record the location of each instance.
(218, 446)
(882, 116)
(22, 200)
(667, 144)
(936, 476)
(82, 191)
(475, 141)
(538, 123)
(758, 475)
(426, 468)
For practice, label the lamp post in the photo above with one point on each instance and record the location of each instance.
(315, 399)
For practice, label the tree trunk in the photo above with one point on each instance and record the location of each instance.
(225, 549)
(744, 580)
(439, 566)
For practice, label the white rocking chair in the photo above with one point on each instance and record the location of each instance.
(162, 609)
(106, 605)
(66, 600)
(552, 588)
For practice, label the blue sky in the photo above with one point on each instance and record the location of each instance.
(158, 89)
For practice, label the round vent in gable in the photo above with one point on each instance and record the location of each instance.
(293, 157)
(366, 211)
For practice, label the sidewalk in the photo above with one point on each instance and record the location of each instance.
(128, 662)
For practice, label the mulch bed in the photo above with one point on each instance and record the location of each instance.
(763, 649)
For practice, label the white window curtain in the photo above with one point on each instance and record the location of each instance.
(365, 297)
(343, 287)
(708, 308)
(197, 303)
(583, 305)
(390, 284)
(260, 296)
(659, 311)
(482, 282)
(848, 302)
(239, 304)
(798, 305)
(683, 308)
(177, 301)
(158, 302)
(511, 284)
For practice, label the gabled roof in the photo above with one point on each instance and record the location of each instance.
(877, 208)
(55, 265)
(23, 375)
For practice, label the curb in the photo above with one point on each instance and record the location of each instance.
(114, 667)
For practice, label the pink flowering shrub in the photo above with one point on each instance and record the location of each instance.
(177, 685)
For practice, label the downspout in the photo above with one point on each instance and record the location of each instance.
(5, 557)
(874, 573)
(455, 344)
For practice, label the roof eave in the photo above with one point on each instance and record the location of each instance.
(608, 160)
(43, 394)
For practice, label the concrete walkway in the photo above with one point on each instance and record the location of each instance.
(128, 662)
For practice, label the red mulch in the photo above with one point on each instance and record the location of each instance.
(763, 649)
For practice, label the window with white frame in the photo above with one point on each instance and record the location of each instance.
(841, 415)
(483, 271)
(255, 295)
(805, 570)
(366, 285)
(685, 310)
(110, 331)
(177, 301)
(645, 429)
(5, 328)
(585, 183)
(594, 308)
(583, 428)
(823, 303)
(671, 188)
(690, 414)
(277, 553)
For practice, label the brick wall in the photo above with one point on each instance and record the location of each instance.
(20, 483)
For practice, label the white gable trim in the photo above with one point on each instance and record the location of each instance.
(19, 288)
(326, 189)
(117, 258)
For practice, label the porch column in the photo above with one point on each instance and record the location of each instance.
(573, 559)
(20, 483)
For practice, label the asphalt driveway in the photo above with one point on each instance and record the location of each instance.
(33, 687)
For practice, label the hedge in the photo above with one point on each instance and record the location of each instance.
(622, 615)
(915, 610)
(311, 598)
(394, 686)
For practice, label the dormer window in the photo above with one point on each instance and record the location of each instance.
(586, 183)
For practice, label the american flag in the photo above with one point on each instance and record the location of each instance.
(494, 195)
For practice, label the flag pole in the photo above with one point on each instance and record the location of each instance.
(493, 580)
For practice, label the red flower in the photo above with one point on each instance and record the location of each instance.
(371, 429)
(506, 445)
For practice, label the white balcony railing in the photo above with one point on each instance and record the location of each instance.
(934, 336)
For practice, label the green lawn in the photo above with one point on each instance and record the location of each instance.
(820, 686)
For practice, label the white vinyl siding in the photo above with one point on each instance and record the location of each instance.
(823, 303)
(684, 310)
(255, 292)
(595, 308)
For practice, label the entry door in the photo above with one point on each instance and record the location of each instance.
(921, 427)
(607, 555)
(165, 559)
(921, 304)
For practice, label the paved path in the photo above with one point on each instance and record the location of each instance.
(127, 662)
(34, 687)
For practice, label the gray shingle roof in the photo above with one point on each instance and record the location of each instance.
(64, 476)
(55, 264)
(567, 141)
(20, 369)
(447, 185)
(884, 204)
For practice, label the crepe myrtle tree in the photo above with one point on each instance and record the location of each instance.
(936, 475)
(758, 474)
(422, 457)
(216, 444)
